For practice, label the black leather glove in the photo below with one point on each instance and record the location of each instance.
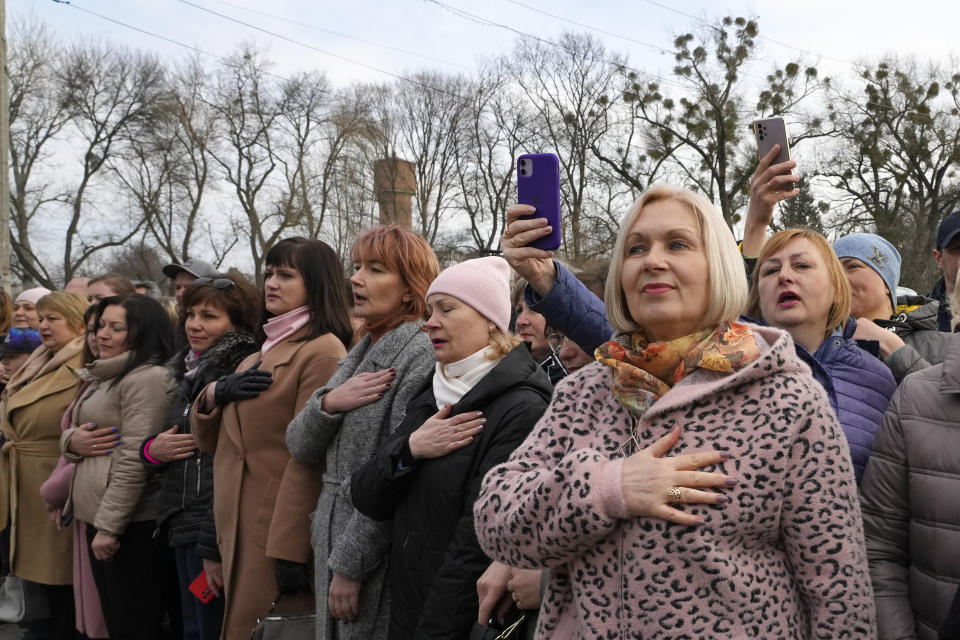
(292, 577)
(242, 385)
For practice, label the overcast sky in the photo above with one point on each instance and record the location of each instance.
(431, 35)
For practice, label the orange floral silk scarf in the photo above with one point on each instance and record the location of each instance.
(644, 371)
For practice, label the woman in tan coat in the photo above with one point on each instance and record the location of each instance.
(262, 498)
(114, 495)
(30, 411)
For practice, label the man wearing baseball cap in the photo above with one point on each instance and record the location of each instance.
(947, 255)
(184, 274)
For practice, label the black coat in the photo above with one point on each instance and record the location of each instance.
(435, 559)
(186, 488)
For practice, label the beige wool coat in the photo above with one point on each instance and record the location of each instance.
(262, 498)
(111, 491)
(30, 412)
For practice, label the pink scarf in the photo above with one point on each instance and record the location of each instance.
(282, 327)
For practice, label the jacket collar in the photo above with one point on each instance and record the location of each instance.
(777, 356)
(106, 369)
(950, 378)
(517, 369)
(43, 361)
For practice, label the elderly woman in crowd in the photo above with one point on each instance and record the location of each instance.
(217, 324)
(262, 497)
(637, 541)
(16, 348)
(113, 495)
(347, 419)
(799, 286)
(25, 308)
(910, 499)
(31, 408)
(479, 404)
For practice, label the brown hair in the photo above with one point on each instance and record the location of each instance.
(118, 284)
(240, 301)
(405, 253)
(840, 308)
(6, 311)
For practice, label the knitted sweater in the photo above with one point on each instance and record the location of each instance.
(784, 559)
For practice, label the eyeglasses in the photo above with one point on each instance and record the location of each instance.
(219, 283)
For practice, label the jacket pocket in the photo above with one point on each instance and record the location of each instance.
(261, 527)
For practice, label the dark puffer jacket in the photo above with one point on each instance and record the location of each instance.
(186, 490)
(910, 500)
(918, 328)
(435, 558)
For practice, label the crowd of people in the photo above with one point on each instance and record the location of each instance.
(708, 439)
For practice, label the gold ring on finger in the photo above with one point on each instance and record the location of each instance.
(673, 494)
(516, 598)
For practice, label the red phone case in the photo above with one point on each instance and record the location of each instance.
(201, 589)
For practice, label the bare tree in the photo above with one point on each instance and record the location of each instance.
(496, 130)
(110, 92)
(568, 85)
(898, 146)
(38, 115)
(247, 108)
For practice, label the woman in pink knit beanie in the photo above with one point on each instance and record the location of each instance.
(750, 528)
(477, 406)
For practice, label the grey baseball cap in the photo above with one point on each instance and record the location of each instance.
(196, 268)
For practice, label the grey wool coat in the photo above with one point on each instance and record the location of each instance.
(344, 541)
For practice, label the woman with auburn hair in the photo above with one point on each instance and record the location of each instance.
(727, 538)
(800, 286)
(262, 498)
(347, 419)
(31, 408)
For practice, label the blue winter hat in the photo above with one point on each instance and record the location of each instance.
(20, 341)
(876, 253)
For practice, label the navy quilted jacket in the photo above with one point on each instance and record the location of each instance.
(859, 387)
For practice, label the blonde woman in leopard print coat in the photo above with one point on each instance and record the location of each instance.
(694, 482)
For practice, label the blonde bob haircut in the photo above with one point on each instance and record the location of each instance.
(726, 279)
(840, 307)
(68, 304)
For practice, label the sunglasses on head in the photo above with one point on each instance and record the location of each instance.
(219, 283)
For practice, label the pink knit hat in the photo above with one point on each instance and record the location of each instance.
(483, 283)
(32, 295)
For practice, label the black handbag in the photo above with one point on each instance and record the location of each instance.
(483, 632)
(284, 626)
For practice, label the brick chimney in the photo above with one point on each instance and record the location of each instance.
(395, 183)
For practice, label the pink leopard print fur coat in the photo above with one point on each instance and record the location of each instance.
(784, 559)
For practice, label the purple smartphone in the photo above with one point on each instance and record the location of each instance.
(538, 185)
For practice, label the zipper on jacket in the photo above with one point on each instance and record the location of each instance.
(198, 474)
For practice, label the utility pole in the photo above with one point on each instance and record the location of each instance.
(4, 153)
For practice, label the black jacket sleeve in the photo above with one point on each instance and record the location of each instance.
(451, 604)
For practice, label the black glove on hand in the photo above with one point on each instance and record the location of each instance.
(242, 386)
(292, 577)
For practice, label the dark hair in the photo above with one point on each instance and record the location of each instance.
(240, 300)
(149, 330)
(92, 310)
(118, 284)
(324, 281)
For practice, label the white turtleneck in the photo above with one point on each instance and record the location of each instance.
(451, 382)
